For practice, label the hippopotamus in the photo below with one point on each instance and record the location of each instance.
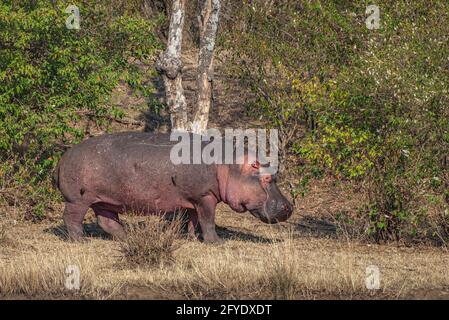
(133, 172)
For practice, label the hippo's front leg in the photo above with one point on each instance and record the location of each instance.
(205, 209)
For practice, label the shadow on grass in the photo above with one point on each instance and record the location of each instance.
(230, 234)
(91, 230)
(309, 226)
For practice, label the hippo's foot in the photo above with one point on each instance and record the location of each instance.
(75, 232)
(212, 238)
(78, 239)
(75, 236)
(110, 223)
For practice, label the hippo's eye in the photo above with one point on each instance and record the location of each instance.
(255, 164)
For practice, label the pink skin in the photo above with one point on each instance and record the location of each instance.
(247, 188)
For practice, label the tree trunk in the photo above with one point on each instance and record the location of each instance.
(208, 20)
(169, 66)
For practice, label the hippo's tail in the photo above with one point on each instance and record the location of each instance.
(56, 175)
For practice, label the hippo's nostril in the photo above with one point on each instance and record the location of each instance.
(286, 207)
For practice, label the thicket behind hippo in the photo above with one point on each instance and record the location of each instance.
(132, 171)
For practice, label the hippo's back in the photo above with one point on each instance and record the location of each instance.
(122, 139)
(111, 162)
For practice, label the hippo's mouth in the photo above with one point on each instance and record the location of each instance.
(262, 216)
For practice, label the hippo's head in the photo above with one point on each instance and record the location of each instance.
(246, 187)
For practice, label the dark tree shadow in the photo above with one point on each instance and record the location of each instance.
(156, 117)
(230, 234)
(315, 227)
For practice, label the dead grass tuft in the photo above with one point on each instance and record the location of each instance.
(151, 242)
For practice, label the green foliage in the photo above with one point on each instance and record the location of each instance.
(52, 78)
(374, 103)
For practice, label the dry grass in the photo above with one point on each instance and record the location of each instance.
(281, 271)
(39, 274)
(151, 242)
(5, 227)
(256, 261)
(3, 234)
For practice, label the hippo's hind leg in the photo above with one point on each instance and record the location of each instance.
(110, 223)
(73, 219)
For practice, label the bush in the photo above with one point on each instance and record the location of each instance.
(54, 79)
(362, 105)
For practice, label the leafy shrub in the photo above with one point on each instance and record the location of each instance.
(370, 106)
(54, 79)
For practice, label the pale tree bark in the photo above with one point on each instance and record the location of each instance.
(208, 20)
(169, 66)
